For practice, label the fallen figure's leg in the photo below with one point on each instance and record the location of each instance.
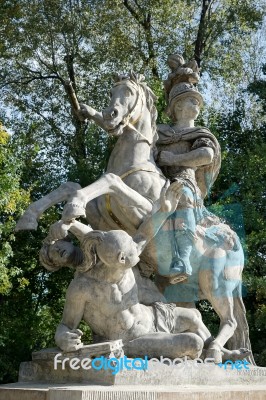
(174, 346)
(234, 355)
(165, 344)
(190, 319)
(177, 342)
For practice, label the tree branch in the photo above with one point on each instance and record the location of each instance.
(24, 80)
(201, 35)
(133, 12)
(50, 121)
(145, 22)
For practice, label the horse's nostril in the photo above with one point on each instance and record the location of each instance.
(114, 113)
(110, 113)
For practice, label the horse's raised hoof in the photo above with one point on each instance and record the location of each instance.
(72, 211)
(27, 222)
(215, 354)
(238, 354)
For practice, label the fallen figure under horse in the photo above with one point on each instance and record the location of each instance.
(104, 277)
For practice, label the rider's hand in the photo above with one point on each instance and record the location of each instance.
(85, 112)
(170, 196)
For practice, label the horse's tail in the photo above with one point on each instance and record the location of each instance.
(240, 337)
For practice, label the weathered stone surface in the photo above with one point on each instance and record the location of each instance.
(157, 374)
(92, 350)
(128, 392)
(43, 369)
(44, 372)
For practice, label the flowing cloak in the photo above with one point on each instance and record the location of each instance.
(199, 137)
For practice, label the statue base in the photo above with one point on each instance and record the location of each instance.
(26, 391)
(188, 380)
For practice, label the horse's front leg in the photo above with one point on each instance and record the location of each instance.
(29, 220)
(108, 183)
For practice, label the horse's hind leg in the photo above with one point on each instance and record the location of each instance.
(224, 307)
(219, 292)
(29, 219)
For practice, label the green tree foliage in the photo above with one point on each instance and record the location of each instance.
(44, 44)
(13, 200)
(31, 299)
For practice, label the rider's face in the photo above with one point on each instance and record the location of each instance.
(61, 252)
(189, 107)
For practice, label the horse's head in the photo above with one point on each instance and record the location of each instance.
(127, 104)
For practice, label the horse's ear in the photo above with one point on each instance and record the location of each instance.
(133, 76)
(136, 77)
(116, 77)
(119, 77)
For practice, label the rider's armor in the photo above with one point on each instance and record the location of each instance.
(195, 184)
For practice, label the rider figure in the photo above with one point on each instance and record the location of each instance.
(187, 154)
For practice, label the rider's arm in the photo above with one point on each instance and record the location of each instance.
(194, 158)
(87, 112)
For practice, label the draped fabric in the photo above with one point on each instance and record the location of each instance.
(199, 137)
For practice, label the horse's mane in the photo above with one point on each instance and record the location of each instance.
(151, 98)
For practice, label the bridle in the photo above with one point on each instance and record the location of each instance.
(128, 118)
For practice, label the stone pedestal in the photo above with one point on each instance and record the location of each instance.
(42, 370)
(128, 392)
(42, 367)
(38, 380)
